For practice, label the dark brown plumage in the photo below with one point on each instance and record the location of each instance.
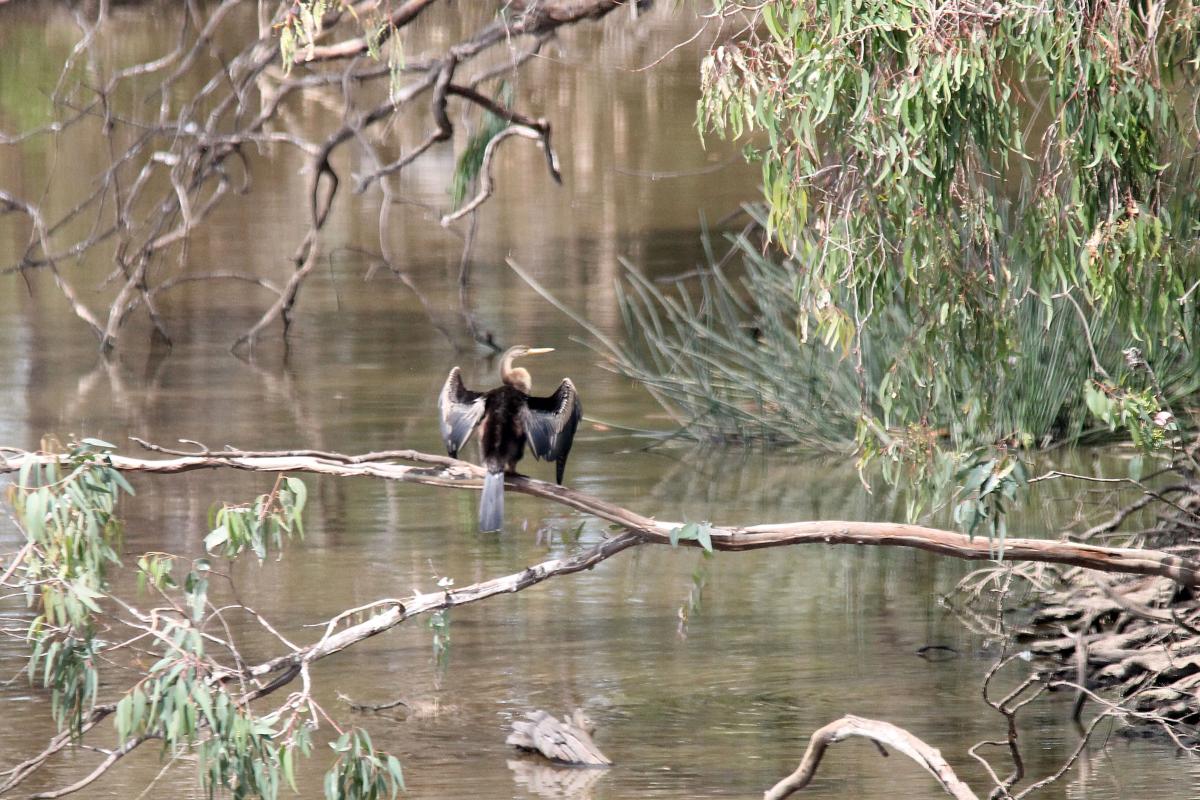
(509, 417)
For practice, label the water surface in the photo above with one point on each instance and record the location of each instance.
(776, 643)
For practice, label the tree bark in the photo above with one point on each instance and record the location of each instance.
(447, 472)
(882, 733)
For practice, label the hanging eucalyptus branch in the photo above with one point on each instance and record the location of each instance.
(950, 181)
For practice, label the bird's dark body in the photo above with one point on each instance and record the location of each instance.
(508, 418)
(502, 430)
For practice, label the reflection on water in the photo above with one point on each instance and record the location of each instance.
(540, 779)
(775, 643)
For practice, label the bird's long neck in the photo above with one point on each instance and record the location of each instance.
(516, 377)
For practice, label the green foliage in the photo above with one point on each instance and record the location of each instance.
(69, 672)
(699, 532)
(185, 700)
(396, 62)
(361, 772)
(261, 524)
(299, 28)
(174, 698)
(1135, 410)
(979, 207)
(988, 484)
(722, 355)
(154, 569)
(439, 624)
(470, 161)
(952, 181)
(726, 352)
(68, 516)
(178, 702)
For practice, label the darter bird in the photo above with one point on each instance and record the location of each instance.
(508, 417)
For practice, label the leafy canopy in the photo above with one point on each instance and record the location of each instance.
(951, 179)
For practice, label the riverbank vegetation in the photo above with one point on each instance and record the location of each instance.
(977, 240)
(979, 229)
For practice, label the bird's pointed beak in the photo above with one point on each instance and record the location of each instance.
(533, 351)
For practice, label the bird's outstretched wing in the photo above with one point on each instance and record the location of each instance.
(550, 424)
(460, 410)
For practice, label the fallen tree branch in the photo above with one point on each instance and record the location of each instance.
(62, 739)
(882, 733)
(112, 758)
(405, 608)
(463, 475)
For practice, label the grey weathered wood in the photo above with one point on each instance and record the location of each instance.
(882, 733)
(447, 472)
(566, 741)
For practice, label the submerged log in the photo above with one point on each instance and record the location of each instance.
(565, 741)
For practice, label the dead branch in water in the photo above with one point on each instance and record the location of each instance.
(1130, 643)
(269, 676)
(447, 472)
(881, 733)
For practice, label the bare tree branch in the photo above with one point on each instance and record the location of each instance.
(285, 668)
(463, 475)
(882, 733)
(247, 682)
(194, 135)
(485, 184)
(399, 610)
(101, 768)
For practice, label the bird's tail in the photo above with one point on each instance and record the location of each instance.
(491, 505)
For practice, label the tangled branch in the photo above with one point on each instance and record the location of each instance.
(172, 166)
(881, 733)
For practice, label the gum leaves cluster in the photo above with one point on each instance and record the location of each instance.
(193, 698)
(997, 198)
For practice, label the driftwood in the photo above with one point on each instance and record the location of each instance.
(1139, 637)
(448, 472)
(882, 733)
(566, 741)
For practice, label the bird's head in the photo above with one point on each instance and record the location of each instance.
(520, 350)
(516, 376)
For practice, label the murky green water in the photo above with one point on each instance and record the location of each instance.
(777, 644)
